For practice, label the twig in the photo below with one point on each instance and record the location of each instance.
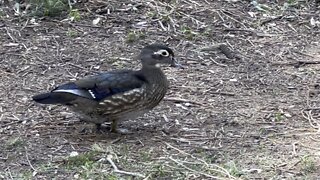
(183, 100)
(25, 25)
(9, 172)
(294, 164)
(311, 108)
(10, 123)
(155, 6)
(161, 25)
(296, 63)
(314, 139)
(294, 148)
(116, 170)
(219, 169)
(70, 6)
(192, 18)
(227, 13)
(313, 123)
(199, 172)
(304, 54)
(314, 148)
(29, 161)
(223, 93)
(237, 29)
(219, 64)
(251, 32)
(211, 48)
(271, 19)
(8, 33)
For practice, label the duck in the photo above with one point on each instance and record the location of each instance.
(117, 95)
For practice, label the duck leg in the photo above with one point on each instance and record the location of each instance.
(115, 129)
(114, 125)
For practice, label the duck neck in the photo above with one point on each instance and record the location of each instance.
(154, 75)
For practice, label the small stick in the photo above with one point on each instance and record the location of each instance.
(223, 93)
(192, 170)
(219, 169)
(219, 64)
(162, 26)
(313, 123)
(296, 63)
(116, 170)
(183, 100)
(29, 161)
(302, 53)
(294, 148)
(70, 6)
(310, 147)
(8, 33)
(271, 19)
(10, 123)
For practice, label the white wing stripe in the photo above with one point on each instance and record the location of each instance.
(76, 92)
(92, 94)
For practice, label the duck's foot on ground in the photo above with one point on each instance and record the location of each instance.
(112, 129)
(103, 129)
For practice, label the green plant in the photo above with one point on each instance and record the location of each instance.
(291, 4)
(279, 116)
(133, 36)
(308, 164)
(188, 33)
(85, 159)
(159, 171)
(2, 14)
(72, 33)
(151, 14)
(14, 143)
(261, 7)
(145, 156)
(49, 7)
(165, 18)
(74, 15)
(25, 175)
(233, 169)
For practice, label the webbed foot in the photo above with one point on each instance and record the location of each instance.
(114, 129)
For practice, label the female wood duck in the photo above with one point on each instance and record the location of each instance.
(116, 95)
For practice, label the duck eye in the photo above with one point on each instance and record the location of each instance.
(163, 53)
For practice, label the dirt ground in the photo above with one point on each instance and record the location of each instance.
(246, 106)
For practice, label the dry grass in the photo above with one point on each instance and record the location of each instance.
(246, 106)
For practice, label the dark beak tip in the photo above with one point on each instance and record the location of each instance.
(176, 64)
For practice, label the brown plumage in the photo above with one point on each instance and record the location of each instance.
(116, 95)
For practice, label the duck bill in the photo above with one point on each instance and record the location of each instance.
(175, 64)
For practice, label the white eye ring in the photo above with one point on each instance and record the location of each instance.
(162, 52)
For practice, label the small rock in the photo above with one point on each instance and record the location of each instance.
(96, 21)
(287, 115)
(74, 153)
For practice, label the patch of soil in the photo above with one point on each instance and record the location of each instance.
(245, 106)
